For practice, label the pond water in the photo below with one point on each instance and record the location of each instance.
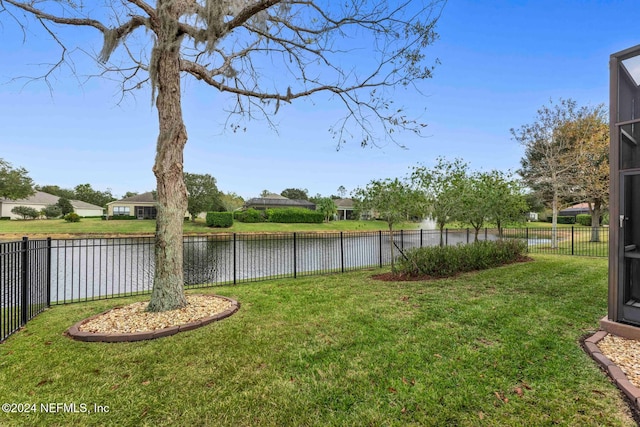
(96, 268)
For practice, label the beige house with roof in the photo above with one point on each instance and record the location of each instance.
(40, 200)
(345, 209)
(142, 206)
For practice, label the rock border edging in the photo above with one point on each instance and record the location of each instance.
(617, 375)
(75, 333)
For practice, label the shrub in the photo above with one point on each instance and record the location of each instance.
(72, 217)
(566, 219)
(219, 219)
(26, 212)
(122, 217)
(250, 215)
(583, 219)
(295, 215)
(5, 218)
(447, 261)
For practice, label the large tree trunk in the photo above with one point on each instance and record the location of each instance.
(168, 282)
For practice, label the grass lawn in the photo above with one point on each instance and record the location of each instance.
(571, 241)
(496, 348)
(96, 226)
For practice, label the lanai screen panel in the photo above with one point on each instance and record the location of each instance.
(629, 111)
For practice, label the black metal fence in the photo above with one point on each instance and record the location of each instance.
(37, 273)
(579, 241)
(25, 275)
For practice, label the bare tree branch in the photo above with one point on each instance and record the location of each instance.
(261, 52)
(57, 19)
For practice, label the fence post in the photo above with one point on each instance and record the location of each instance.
(421, 237)
(380, 240)
(446, 237)
(572, 240)
(527, 237)
(48, 271)
(295, 269)
(234, 259)
(25, 280)
(402, 239)
(341, 252)
(467, 235)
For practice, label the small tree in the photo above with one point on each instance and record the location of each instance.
(203, 194)
(327, 206)
(15, 184)
(474, 205)
(52, 211)
(392, 201)
(507, 203)
(589, 135)
(65, 205)
(442, 187)
(549, 162)
(489, 196)
(26, 212)
(500, 198)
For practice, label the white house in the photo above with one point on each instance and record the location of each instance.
(40, 200)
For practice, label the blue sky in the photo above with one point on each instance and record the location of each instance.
(500, 62)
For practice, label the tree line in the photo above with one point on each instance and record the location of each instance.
(203, 195)
(15, 184)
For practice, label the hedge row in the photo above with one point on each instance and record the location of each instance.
(219, 219)
(282, 215)
(250, 215)
(121, 217)
(584, 219)
(295, 215)
(445, 261)
(566, 219)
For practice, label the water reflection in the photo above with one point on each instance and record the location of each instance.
(98, 268)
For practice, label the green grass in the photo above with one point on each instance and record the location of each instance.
(578, 244)
(498, 348)
(94, 226)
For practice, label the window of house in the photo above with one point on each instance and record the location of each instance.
(121, 210)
